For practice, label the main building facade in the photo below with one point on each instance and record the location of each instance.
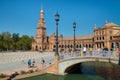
(105, 36)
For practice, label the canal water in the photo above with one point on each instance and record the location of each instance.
(87, 71)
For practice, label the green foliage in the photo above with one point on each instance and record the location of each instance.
(2, 75)
(23, 72)
(14, 42)
(5, 40)
(31, 71)
(24, 43)
(15, 37)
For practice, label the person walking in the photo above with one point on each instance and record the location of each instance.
(33, 63)
(118, 50)
(29, 63)
(84, 51)
(43, 63)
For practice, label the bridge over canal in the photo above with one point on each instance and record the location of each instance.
(65, 60)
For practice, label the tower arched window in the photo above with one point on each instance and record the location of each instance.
(103, 44)
(93, 39)
(54, 46)
(110, 37)
(77, 46)
(80, 45)
(60, 46)
(36, 48)
(89, 45)
(97, 38)
(68, 46)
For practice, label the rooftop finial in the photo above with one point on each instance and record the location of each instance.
(106, 22)
(94, 26)
(41, 9)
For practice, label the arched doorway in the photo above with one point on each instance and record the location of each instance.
(36, 48)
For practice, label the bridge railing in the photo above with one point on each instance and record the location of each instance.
(94, 53)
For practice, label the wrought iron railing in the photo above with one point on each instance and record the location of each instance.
(94, 54)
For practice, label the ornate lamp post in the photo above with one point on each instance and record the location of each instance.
(74, 26)
(57, 19)
(56, 56)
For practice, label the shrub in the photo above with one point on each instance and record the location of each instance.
(2, 75)
(31, 71)
(36, 69)
(23, 72)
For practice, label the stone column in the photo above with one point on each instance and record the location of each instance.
(99, 45)
(56, 57)
(81, 49)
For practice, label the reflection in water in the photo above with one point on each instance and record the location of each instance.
(107, 70)
(88, 71)
(66, 77)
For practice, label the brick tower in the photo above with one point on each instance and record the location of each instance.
(41, 38)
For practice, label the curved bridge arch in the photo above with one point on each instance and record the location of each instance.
(63, 65)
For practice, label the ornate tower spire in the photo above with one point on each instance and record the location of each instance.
(106, 22)
(41, 13)
(94, 26)
(41, 22)
(41, 36)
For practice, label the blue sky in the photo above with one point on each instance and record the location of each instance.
(21, 16)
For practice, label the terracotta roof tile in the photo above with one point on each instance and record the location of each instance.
(78, 37)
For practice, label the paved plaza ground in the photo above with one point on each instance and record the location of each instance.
(9, 61)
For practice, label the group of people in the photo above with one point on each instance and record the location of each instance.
(31, 63)
(105, 50)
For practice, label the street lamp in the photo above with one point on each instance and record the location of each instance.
(56, 19)
(74, 26)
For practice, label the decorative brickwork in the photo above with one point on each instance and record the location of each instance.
(106, 36)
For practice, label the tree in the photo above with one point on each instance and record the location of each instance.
(15, 38)
(25, 43)
(1, 39)
(5, 40)
(14, 42)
